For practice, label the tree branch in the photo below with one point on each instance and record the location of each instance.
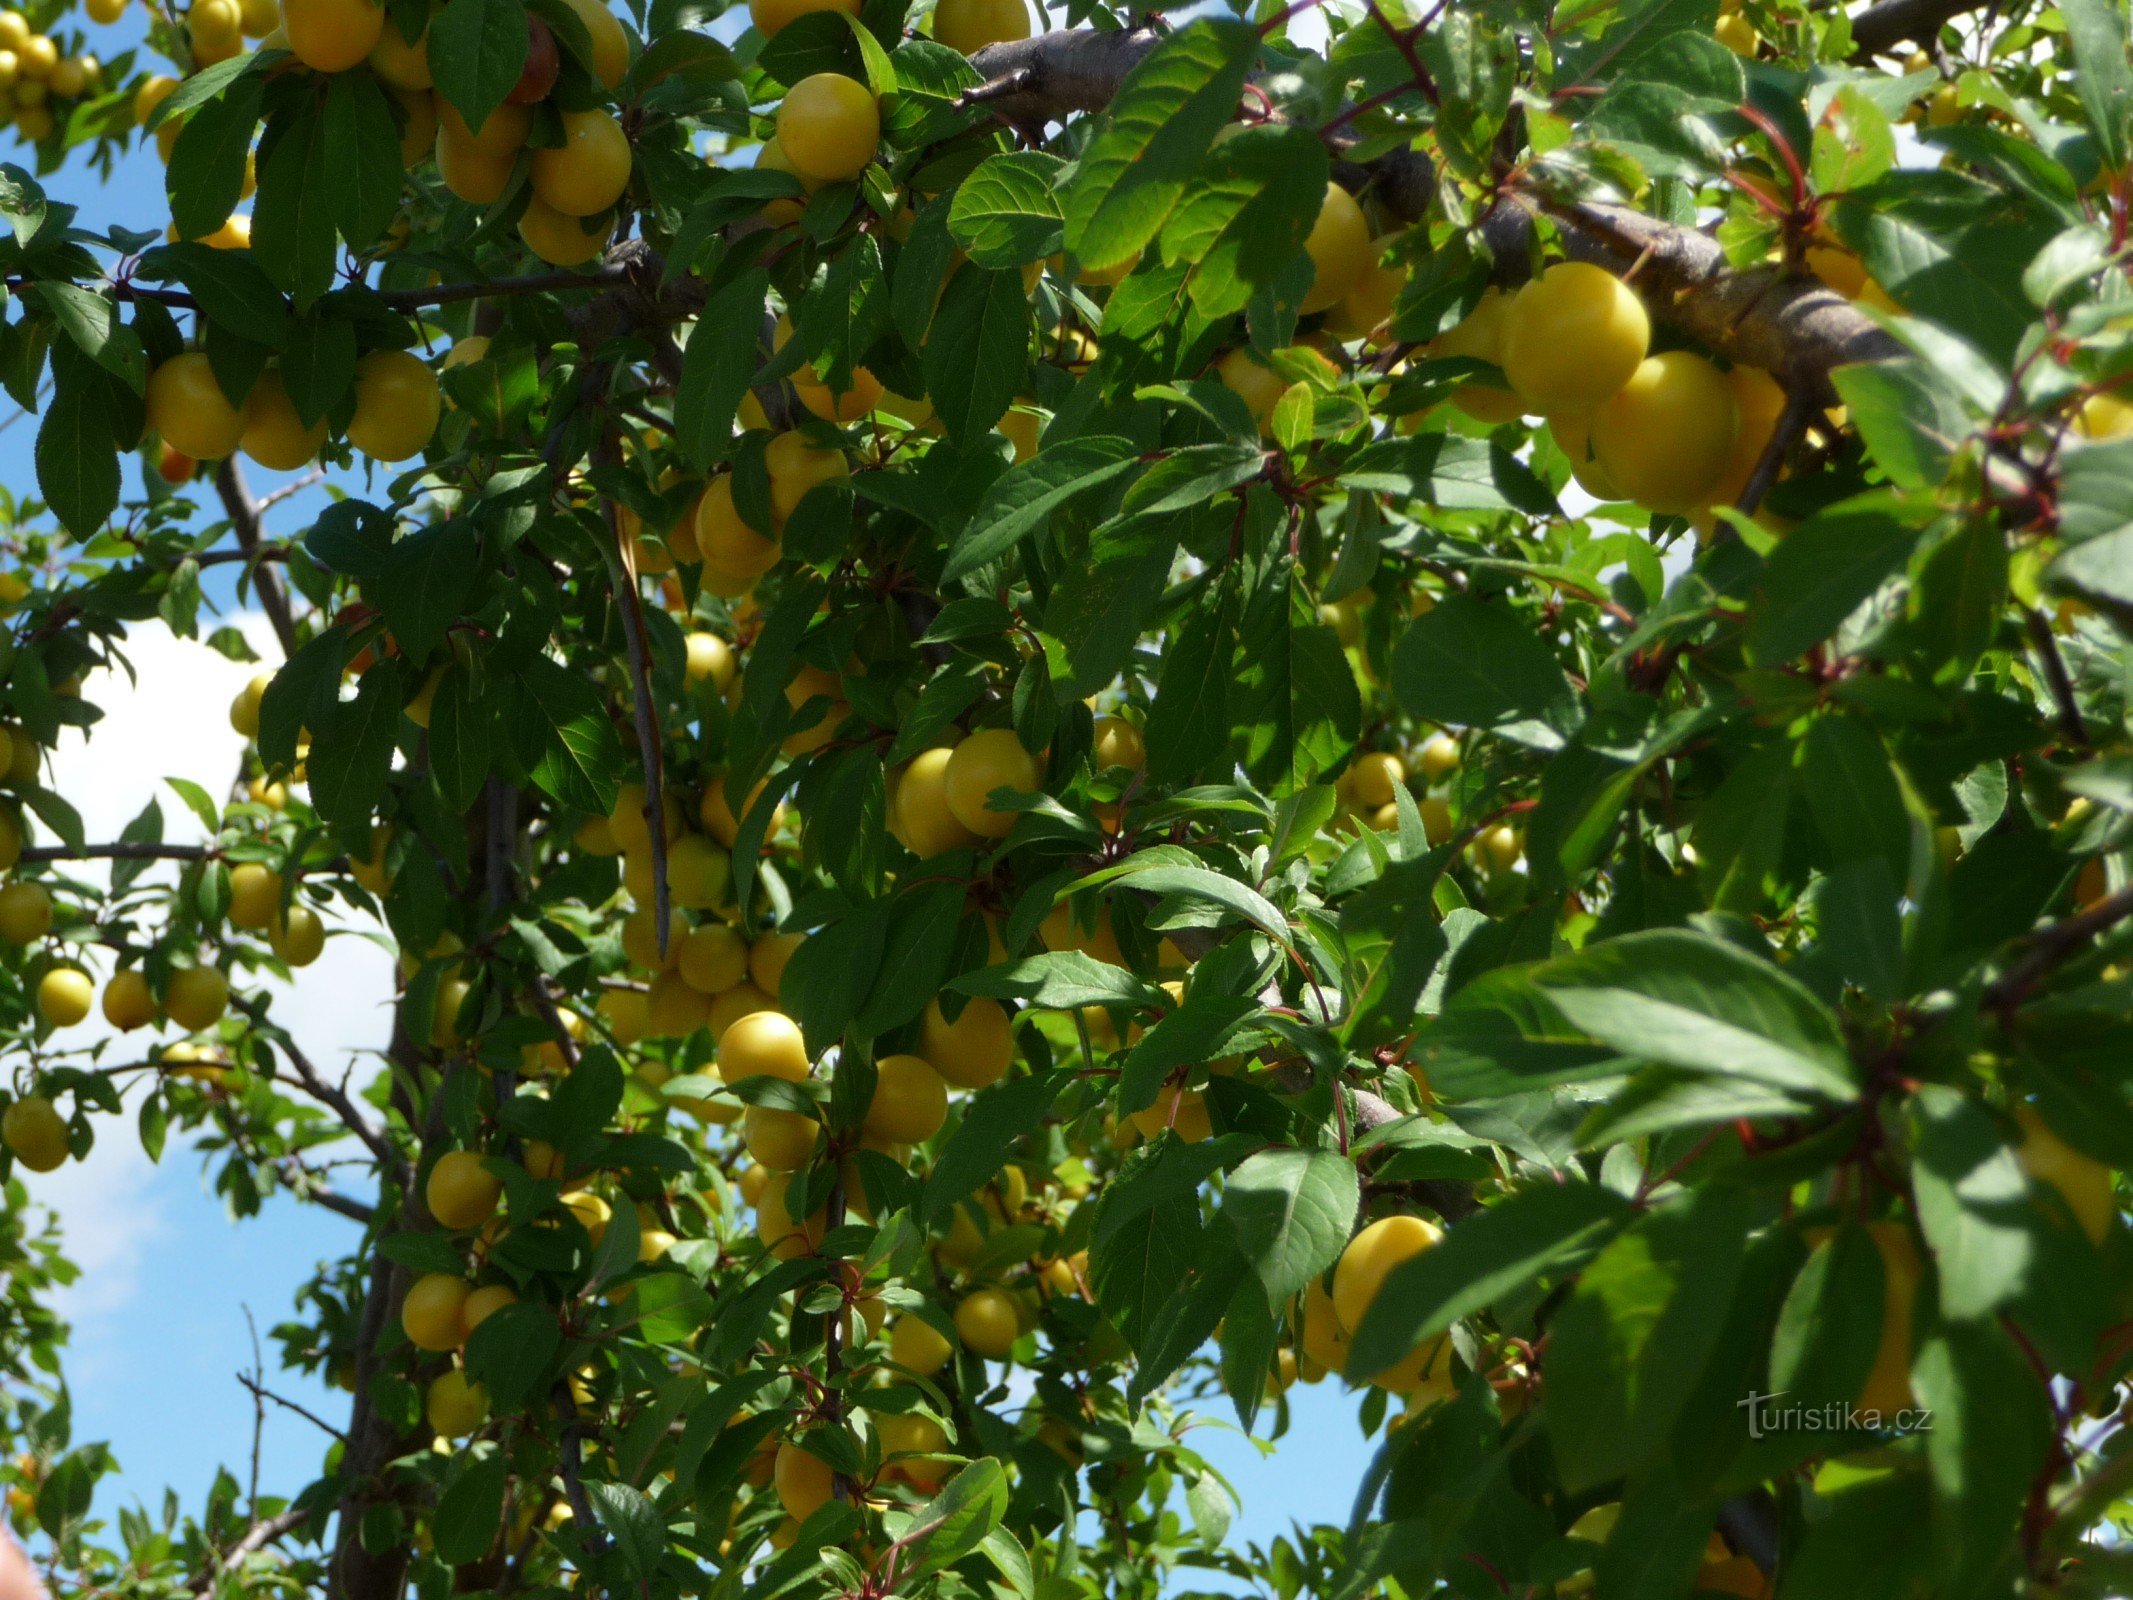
(243, 513)
(118, 850)
(1791, 327)
(1891, 24)
(2050, 946)
(261, 1394)
(257, 1537)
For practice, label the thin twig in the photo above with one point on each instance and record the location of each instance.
(645, 715)
(261, 1394)
(2053, 945)
(243, 513)
(289, 491)
(2055, 676)
(573, 1479)
(1791, 428)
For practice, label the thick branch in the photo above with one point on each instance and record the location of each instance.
(119, 850)
(243, 513)
(1891, 24)
(1793, 328)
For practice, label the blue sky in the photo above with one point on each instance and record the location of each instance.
(160, 1318)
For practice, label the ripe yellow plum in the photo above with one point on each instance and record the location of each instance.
(724, 538)
(910, 1101)
(25, 912)
(1572, 337)
(588, 172)
(1339, 248)
(973, 1051)
(397, 405)
(1665, 437)
(432, 1315)
(461, 1191)
(970, 25)
(34, 1131)
(1478, 336)
(991, 758)
(988, 1323)
(763, 1044)
(2083, 1182)
(779, 1140)
(930, 826)
(455, 1405)
(559, 238)
(795, 466)
(804, 1482)
(771, 16)
(332, 35)
(274, 435)
(1370, 1256)
(713, 958)
(828, 127)
(127, 1003)
(914, 1343)
(188, 408)
(64, 996)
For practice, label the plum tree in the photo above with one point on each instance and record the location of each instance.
(1419, 711)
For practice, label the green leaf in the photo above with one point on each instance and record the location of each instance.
(1974, 1205)
(923, 931)
(977, 351)
(1478, 663)
(1028, 495)
(477, 51)
(351, 755)
(1693, 1001)
(1821, 573)
(633, 1522)
(424, 583)
(318, 363)
(1159, 872)
(461, 742)
(512, 1352)
(1527, 1235)
(993, 1120)
(77, 463)
(716, 366)
(1626, 1350)
(232, 288)
(293, 218)
(1292, 1212)
(1830, 1325)
(1911, 417)
(1005, 213)
(957, 1520)
(1189, 725)
(579, 760)
(1192, 1033)
(2096, 34)
(360, 127)
(1060, 980)
(1992, 1424)
(205, 179)
(91, 321)
(1246, 214)
(1149, 148)
(1297, 706)
(471, 1509)
(1854, 793)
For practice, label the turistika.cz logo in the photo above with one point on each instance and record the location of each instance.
(1770, 1414)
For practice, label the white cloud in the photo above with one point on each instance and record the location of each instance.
(169, 721)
